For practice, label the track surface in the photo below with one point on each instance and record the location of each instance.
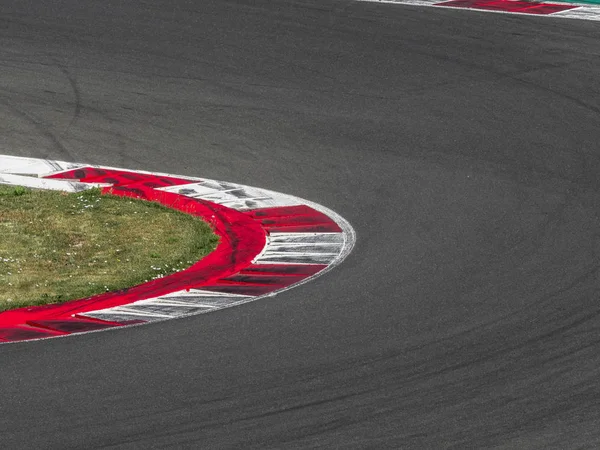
(463, 148)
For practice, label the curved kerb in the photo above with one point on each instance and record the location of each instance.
(268, 242)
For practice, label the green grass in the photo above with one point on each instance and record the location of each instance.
(56, 247)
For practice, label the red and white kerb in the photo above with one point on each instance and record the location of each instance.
(269, 242)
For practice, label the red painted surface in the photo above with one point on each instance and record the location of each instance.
(261, 279)
(509, 6)
(119, 177)
(25, 332)
(282, 270)
(241, 239)
(294, 219)
(72, 325)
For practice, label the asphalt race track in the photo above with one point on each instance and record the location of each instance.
(463, 148)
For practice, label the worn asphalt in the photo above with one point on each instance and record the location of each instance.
(463, 148)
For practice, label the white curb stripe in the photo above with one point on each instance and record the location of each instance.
(48, 183)
(296, 258)
(581, 13)
(31, 166)
(192, 301)
(124, 314)
(235, 196)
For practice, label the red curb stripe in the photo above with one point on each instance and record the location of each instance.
(294, 219)
(24, 332)
(284, 269)
(93, 319)
(259, 280)
(514, 6)
(253, 290)
(119, 177)
(72, 325)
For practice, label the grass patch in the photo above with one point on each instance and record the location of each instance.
(56, 247)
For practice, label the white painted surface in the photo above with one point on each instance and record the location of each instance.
(180, 303)
(32, 166)
(235, 196)
(47, 183)
(581, 13)
(301, 248)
